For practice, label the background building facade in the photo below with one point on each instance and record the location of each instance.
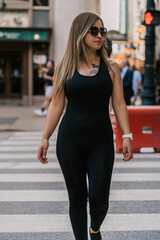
(26, 30)
(64, 13)
(32, 31)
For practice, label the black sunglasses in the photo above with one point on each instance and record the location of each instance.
(95, 30)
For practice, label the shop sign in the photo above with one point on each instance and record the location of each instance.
(14, 19)
(28, 35)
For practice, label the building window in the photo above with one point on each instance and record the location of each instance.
(40, 2)
(40, 18)
(14, 18)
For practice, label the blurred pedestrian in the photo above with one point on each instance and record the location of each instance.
(142, 71)
(48, 72)
(85, 137)
(126, 75)
(136, 84)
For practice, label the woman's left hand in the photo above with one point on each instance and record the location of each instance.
(127, 149)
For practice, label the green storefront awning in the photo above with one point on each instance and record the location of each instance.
(25, 34)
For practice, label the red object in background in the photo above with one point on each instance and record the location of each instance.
(144, 124)
(152, 18)
(148, 18)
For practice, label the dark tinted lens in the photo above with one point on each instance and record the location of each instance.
(94, 31)
(103, 31)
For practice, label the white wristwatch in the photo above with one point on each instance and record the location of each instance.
(129, 135)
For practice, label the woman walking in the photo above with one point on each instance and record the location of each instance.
(85, 138)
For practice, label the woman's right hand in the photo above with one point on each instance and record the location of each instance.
(42, 151)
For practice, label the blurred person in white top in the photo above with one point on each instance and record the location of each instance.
(136, 83)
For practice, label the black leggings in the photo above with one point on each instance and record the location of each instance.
(76, 163)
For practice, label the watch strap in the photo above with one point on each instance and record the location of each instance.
(129, 135)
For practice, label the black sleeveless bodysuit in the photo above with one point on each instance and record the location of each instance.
(85, 147)
(86, 121)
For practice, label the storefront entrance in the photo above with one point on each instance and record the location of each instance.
(20, 76)
(11, 74)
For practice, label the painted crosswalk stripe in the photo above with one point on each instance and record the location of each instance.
(19, 148)
(33, 165)
(61, 195)
(37, 133)
(31, 177)
(20, 143)
(117, 177)
(23, 155)
(141, 155)
(61, 223)
(134, 177)
(29, 137)
(21, 133)
(31, 155)
(26, 165)
(133, 164)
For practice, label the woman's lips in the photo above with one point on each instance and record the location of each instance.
(98, 42)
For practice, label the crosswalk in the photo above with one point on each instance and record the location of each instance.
(34, 200)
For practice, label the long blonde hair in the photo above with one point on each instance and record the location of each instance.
(76, 50)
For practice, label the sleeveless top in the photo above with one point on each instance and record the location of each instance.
(86, 120)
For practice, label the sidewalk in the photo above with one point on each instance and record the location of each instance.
(20, 118)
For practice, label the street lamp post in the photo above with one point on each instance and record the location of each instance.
(148, 95)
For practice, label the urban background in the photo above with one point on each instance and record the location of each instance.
(33, 197)
(32, 31)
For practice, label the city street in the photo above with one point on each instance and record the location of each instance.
(33, 197)
(81, 58)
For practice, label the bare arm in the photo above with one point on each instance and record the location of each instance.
(44, 69)
(120, 109)
(45, 76)
(53, 115)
